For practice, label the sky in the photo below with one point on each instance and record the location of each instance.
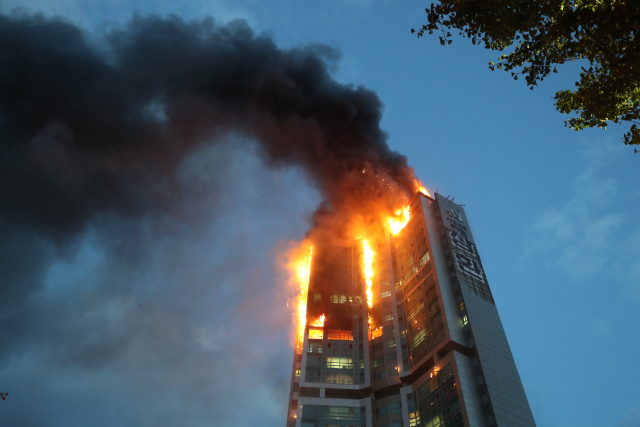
(180, 315)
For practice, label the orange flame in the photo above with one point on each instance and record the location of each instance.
(319, 321)
(376, 332)
(303, 272)
(402, 218)
(424, 191)
(419, 187)
(368, 272)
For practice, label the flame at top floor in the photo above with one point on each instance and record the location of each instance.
(398, 222)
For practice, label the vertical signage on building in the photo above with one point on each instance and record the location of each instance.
(463, 247)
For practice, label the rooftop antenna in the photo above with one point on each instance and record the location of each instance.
(452, 199)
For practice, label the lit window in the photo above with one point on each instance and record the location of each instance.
(339, 362)
(340, 335)
(461, 306)
(465, 321)
(316, 334)
(385, 294)
(390, 343)
(297, 372)
(317, 297)
(338, 299)
(387, 317)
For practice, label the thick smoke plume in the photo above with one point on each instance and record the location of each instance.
(95, 133)
(90, 127)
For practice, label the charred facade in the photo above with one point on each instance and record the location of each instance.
(425, 347)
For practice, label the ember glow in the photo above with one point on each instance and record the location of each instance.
(400, 221)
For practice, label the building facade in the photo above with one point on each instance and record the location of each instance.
(424, 348)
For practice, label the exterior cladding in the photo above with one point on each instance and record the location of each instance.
(439, 249)
(438, 356)
(469, 390)
(507, 396)
(502, 383)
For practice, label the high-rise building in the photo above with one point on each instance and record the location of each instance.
(420, 344)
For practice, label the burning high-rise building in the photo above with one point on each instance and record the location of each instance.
(402, 330)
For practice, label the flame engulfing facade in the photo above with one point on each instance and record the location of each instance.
(402, 330)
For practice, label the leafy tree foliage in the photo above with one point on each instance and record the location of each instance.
(539, 35)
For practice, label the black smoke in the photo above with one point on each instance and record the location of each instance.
(90, 127)
(95, 132)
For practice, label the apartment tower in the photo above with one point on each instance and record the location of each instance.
(427, 350)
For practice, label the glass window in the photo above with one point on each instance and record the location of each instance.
(338, 299)
(314, 347)
(317, 297)
(378, 361)
(391, 356)
(382, 411)
(394, 408)
(390, 343)
(396, 423)
(339, 362)
(344, 377)
(338, 413)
